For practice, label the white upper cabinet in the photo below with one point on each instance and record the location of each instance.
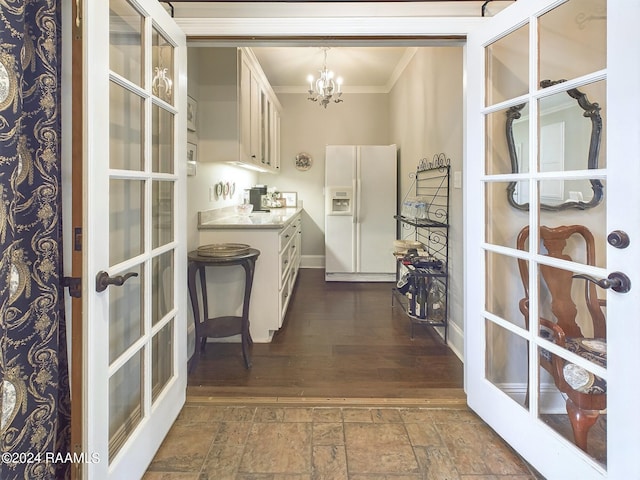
(241, 113)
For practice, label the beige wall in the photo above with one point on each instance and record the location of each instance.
(426, 119)
(307, 127)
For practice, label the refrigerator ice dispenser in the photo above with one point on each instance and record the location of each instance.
(340, 201)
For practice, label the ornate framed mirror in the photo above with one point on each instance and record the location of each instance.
(570, 134)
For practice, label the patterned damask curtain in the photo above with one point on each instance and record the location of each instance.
(33, 358)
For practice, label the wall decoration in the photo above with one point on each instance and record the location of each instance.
(192, 109)
(192, 158)
(303, 161)
(290, 199)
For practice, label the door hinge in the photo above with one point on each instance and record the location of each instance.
(77, 450)
(77, 24)
(77, 239)
(74, 284)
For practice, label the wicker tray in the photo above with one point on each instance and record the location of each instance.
(223, 249)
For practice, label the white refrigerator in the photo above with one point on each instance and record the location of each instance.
(360, 204)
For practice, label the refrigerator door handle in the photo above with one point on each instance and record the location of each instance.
(355, 206)
(356, 227)
(358, 197)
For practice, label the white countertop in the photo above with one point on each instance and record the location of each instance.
(227, 218)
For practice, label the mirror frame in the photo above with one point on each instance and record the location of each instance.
(591, 110)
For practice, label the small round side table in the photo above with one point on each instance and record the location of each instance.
(225, 326)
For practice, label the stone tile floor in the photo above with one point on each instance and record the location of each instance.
(220, 442)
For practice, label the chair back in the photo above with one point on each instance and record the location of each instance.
(560, 281)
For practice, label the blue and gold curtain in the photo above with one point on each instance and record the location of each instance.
(33, 360)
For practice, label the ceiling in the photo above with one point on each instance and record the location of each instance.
(363, 69)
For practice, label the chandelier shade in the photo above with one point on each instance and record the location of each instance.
(325, 89)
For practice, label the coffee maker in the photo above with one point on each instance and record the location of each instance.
(255, 197)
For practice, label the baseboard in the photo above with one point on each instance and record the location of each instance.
(455, 340)
(312, 261)
(360, 277)
(551, 400)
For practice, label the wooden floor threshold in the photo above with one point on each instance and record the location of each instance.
(439, 403)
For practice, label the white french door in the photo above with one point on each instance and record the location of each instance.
(581, 46)
(135, 256)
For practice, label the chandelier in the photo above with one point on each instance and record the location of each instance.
(325, 89)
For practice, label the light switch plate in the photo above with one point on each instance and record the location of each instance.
(457, 179)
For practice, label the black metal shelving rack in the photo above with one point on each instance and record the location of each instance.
(431, 181)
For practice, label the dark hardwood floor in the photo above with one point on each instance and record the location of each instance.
(339, 340)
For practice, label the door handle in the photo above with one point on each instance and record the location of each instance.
(103, 280)
(616, 281)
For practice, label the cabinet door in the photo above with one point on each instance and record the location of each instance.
(265, 129)
(254, 121)
(245, 110)
(274, 136)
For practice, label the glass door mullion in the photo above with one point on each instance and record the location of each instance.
(148, 169)
(577, 82)
(125, 356)
(515, 329)
(559, 263)
(128, 85)
(164, 105)
(534, 216)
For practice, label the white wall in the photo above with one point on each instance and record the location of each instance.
(426, 106)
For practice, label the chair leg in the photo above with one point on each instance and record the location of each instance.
(581, 422)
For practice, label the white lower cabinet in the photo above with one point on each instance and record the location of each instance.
(290, 241)
(274, 279)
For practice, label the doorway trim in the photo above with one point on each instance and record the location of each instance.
(310, 22)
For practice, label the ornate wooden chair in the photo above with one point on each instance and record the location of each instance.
(586, 393)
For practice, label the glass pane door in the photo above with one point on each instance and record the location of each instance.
(546, 286)
(136, 240)
(549, 136)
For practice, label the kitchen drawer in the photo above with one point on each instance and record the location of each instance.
(286, 292)
(296, 222)
(285, 295)
(293, 251)
(287, 234)
(285, 262)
